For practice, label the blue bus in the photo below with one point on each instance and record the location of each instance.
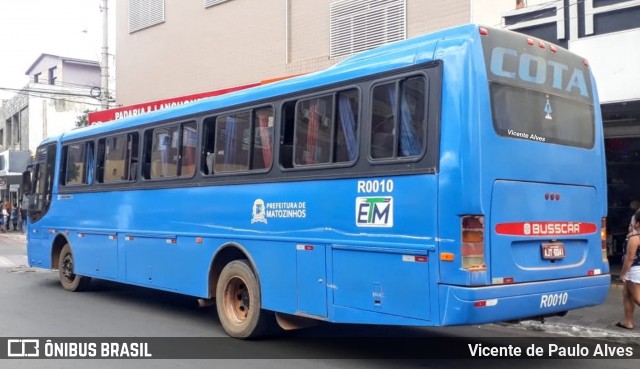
(453, 178)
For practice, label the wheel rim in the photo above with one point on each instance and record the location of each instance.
(67, 268)
(237, 300)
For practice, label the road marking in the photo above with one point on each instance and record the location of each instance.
(12, 261)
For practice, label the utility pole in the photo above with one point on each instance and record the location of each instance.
(104, 68)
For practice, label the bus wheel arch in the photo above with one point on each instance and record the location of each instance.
(238, 295)
(56, 249)
(68, 279)
(225, 255)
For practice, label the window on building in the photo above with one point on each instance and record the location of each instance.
(36, 77)
(358, 25)
(145, 13)
(53, 75)
(15, 129)
(1, 137)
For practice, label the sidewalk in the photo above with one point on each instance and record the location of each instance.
(15, 236)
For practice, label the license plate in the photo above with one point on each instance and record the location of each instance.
(552, 251)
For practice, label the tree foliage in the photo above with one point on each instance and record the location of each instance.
(83, 119)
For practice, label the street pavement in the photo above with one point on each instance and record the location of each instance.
(597, 321)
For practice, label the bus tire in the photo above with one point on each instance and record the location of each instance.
(239, 303)
(68, 279)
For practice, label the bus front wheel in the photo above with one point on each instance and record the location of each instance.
(239, 303)
(69, 280)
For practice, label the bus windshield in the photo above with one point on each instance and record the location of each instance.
(543, 94)
(535, 115)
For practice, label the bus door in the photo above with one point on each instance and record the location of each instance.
(39, 183)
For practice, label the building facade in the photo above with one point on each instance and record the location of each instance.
(170, 48)
(60, 89)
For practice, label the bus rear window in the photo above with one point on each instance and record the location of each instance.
(533, 115)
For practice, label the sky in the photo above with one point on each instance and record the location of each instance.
(28, 28)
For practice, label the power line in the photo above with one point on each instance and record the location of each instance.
(48, 95)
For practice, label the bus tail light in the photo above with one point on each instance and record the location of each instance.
(603, 239)
(472, 249)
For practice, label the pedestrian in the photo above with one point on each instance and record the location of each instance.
(2, 223)
(630, 275)
(14, 217)
(24, 205)
(5, 219)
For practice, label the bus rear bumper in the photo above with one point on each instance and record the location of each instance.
(478, 305)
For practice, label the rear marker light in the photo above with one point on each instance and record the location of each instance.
(198, 239)
(446, 256)
(172, 240)
(472, 246)
(485, 303)
(603, 239)
(553, 48)
(531, 42)
(415, 259)
(502, 280)
(80, 235)
(128, 238)
(594, 272)
(542, 45)
(484, 31)
(586, 63)
(113, 237)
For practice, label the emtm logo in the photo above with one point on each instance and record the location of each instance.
(374, 211)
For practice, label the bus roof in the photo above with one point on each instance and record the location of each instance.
(389, 57)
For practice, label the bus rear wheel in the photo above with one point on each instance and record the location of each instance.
(68, 279)
(239, 303)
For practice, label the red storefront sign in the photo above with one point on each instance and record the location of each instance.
(133, 110)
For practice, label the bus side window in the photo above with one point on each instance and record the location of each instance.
(233, 136)
(383, 121)
(346, 129)
(286, 135)
(187, 155)
(398, 123)
(262, 145)
(78, 163)
(208, 145)
(313, 129)
(133, 139)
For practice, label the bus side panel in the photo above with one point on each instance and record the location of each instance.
(94, 255)
(150, 260)
(275, 264)
(382, 282)
(172, 263)
(38, 247)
